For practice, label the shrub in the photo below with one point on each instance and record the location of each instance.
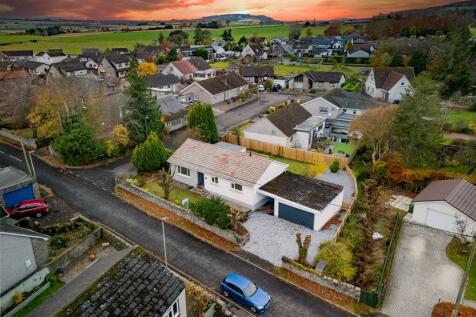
(17, 298)
(112, 148)
(268, 84)
(335, 166)
(150, 155)
(339, 260)
(316, 169)
(213, 210)
(59, 242)
(312, 91)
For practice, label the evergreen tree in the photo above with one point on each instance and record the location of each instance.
(150, 155)
(143, 115)
(201, 118)
(417, 132)
(172, 55)
(397, 61)
(418, 60)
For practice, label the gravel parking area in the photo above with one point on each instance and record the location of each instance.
(421, 273)
(271, 238)
(340, 178)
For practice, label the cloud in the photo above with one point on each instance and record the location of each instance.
(5, 8)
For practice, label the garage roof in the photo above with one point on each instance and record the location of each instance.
(457, 192)
(10, 176)
(309, 192)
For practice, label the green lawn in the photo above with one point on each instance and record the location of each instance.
(55, 285)
(461, 260)
(176, 195)
(455, 116)
(72, 43)
(346, 148)
(285, 70)
(295, 167)
(220, 65)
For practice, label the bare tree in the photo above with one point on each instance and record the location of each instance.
(303, 248)
(165, 180)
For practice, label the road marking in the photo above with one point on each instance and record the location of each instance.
(15, 158)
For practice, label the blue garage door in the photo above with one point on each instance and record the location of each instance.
(297, 216)
(14, 197)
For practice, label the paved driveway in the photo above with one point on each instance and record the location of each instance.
(272, 237)
(421, 273)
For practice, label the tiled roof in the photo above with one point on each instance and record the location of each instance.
(242, 167)
(57, 52)
(10, 229)
(170, 104)
(286, 118)
(118, 58)
(223, 83)
(347, 99)
(28, 64)
(199, 63)
(309, 192)
(326, 77)
(256, 49)
(185, 66)
(139, 285)
(457, 192)
(160, 80)
(18, 53)
(256, 71)
(385, 76)
(70, 65)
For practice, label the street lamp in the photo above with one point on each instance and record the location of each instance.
(145, 120)
(163, 239)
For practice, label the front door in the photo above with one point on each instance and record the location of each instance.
(201, 179)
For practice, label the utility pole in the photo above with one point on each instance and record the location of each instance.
(26, 158)
(462, 288)
(32, 166)
(163, 239)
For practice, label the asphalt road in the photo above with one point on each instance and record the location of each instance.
(240, 114)
(193, 257)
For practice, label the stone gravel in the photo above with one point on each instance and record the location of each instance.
(272, 237)
(340, 178)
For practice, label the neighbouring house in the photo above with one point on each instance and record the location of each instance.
(290, 126)
(253, 52)
(120, 50)
(339, 107)
(203, 70)
(137, 285)
(16, 186)
(262, 41)
(390, 84)
(446, 205)
(23, 253)
(190, 68)
(13, 56)
(306, 201)
(217, 89)
(51, 56)
(256, 74)
(161, 84)
(91, 57)
(148, 53)
(317, 80)
(67, 68)
(32, 67)
(173, 111)
(232, 175)
(360, 51)
(114, 65)
(189, 50)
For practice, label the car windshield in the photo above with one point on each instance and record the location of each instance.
(250, 290)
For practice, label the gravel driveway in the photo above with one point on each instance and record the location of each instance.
(340, 178)
(272, 237)
(421, 274)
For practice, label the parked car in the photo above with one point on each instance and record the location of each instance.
(261, 88)
(245, 292)
(28, 208)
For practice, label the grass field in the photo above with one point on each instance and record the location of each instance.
(72, 43)
(455, 116)
(346, 148)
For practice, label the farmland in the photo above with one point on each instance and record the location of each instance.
(74, 42)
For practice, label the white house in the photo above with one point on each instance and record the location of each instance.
(217, 89)
(51, 56)
(317, 80)
(290, 126)
(232, 175)
(445, 204)
(161, 84)
(173, 111)
(257, 74)
(33, 68)
(114, 65)
(302, 200)
(254, 51)
(389, 83)
(190, 68)
(67, 68)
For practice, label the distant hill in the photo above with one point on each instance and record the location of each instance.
(463, 6)
(234, 18)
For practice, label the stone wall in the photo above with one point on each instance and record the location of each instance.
(29, 142)
(182, 212)
(326, 281)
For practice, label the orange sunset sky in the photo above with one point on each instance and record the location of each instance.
(284, 10)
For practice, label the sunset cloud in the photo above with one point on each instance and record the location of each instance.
(185, 9)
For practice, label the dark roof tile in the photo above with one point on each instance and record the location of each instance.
(286, 118)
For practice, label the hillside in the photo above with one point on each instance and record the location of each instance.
(234, 17)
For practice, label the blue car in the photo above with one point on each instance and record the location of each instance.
(245, 292)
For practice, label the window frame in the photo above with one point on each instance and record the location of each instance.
(214, 180)
(179, 171)
(233, 187)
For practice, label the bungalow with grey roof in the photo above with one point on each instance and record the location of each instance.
(317, 80)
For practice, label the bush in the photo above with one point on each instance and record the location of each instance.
(150, 155)
(335, 166)
(339, 260)
(213, 210)
(17, 298)
(312, 91)
(268, 84)
(59, 242)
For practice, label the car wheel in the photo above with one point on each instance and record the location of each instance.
(225, 293)
(38, 215)
(253, 310)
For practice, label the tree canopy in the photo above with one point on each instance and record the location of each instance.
(150, 155)
(201, 118)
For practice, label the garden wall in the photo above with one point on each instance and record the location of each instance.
(29, 142)
(286, 152)
(329, 282)
(182, 212)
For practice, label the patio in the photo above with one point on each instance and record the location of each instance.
(341, 178)
(272, 237)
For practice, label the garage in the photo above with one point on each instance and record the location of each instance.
(296, 215)
(16, 186)
(305, 201)
(16, 196)
(440, 220)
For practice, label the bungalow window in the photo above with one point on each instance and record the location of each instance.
(323, 109)
(183, 171)
(215, 179)
(237, 186)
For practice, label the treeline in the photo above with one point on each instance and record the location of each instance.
(418, 25)
(48, 31)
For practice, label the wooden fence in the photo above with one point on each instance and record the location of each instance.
(286, 152)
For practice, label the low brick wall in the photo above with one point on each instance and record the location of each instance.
(329, 282)
(182, 212)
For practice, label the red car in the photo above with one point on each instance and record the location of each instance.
(28, 208)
